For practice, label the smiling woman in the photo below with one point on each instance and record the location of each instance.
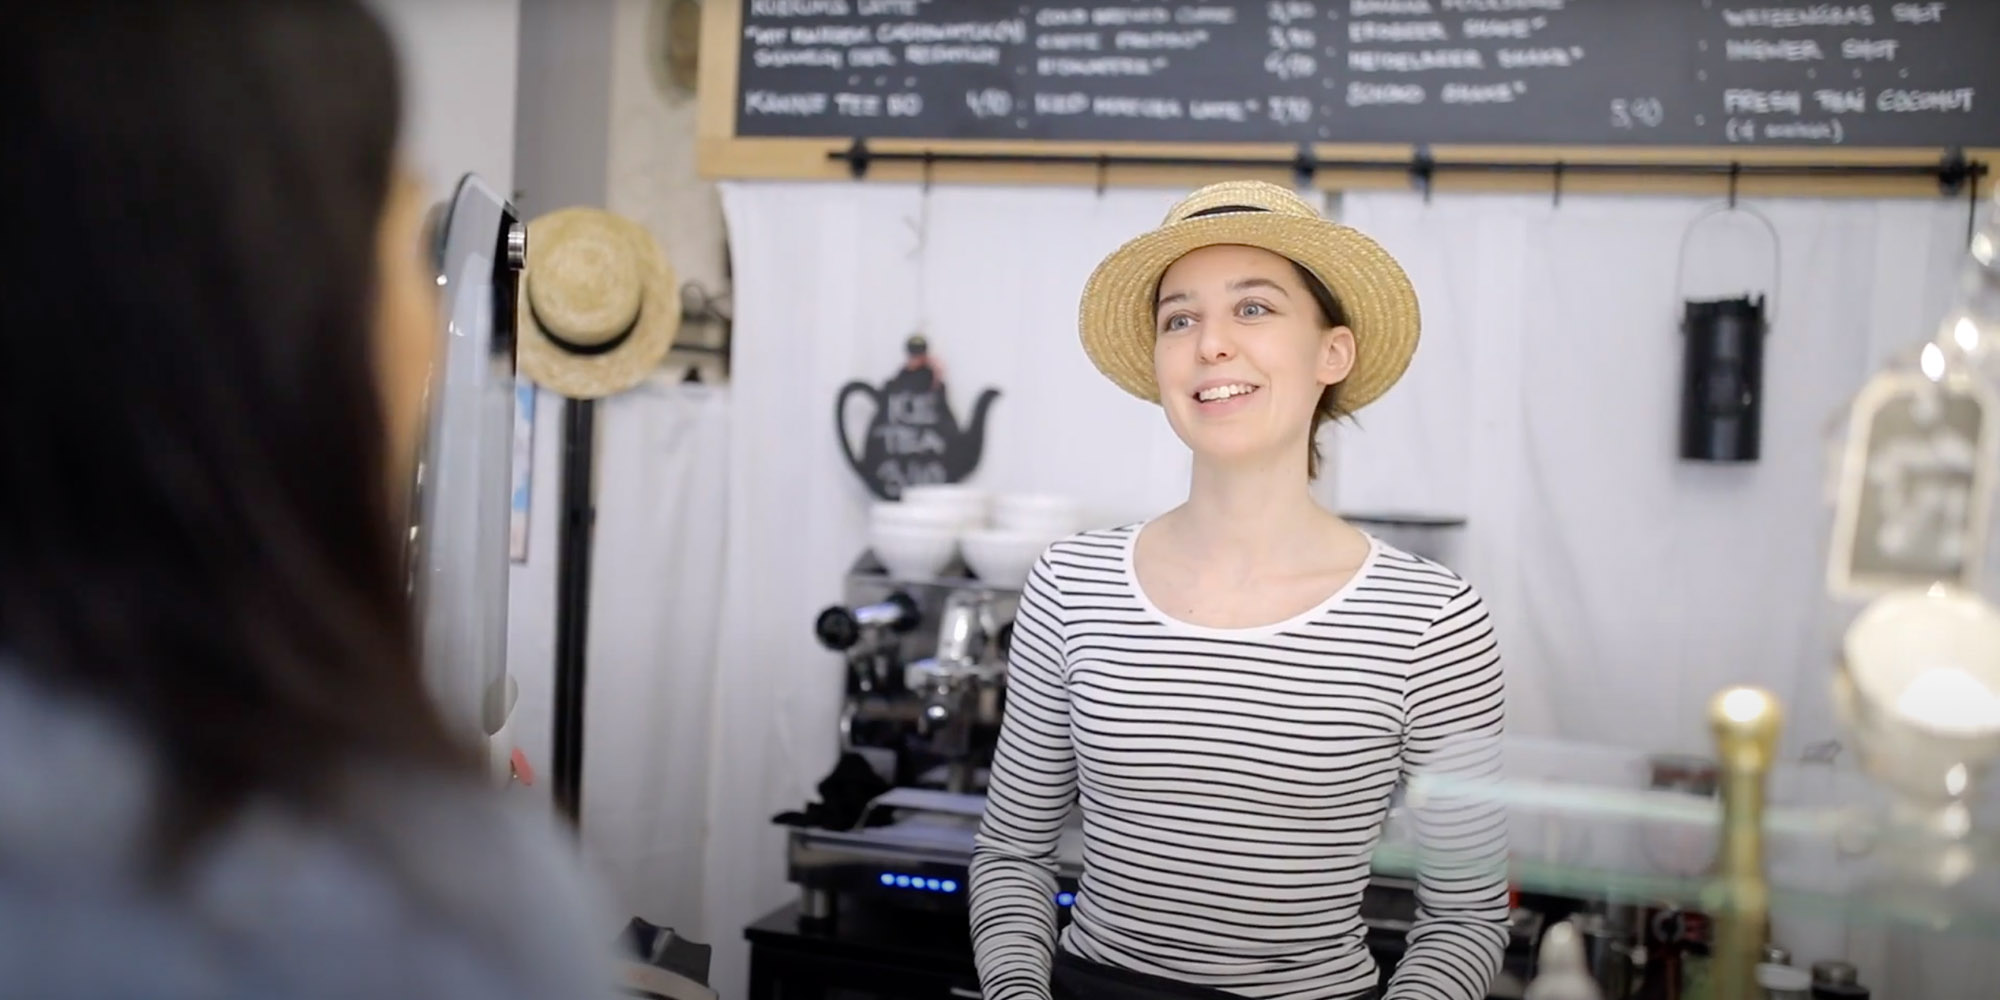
(1231, 692)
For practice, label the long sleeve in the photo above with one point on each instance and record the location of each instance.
(1029, 796)
(1456, 708)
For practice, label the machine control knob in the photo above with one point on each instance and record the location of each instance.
(836, 628)
(839, 628)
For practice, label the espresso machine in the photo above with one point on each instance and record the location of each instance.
(926, 667)
(925, 664)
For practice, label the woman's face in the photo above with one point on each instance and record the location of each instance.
(1240, 354)
(406, 341)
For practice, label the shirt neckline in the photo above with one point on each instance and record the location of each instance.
(1128, 566)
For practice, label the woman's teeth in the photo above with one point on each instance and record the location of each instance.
(1224, 392)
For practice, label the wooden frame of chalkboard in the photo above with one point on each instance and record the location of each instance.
(963, 150)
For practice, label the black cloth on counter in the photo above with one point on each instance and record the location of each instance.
(659, 946)
(1077, 978)
(844, 795)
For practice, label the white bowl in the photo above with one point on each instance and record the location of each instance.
(1044, 526)
(1043, 514)
(945, 493)
(1001, 558)
(889, 513)
(913, 552)
(968, 504)
(1050, 525)
(1007, 504)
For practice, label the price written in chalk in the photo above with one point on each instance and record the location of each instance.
(1291, 65)
(1639, 112)
(1286, 110)
(1291, 12)
(1293, 38)
(990, 103)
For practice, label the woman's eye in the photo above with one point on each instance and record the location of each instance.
(1175, 322)
(1254, 309)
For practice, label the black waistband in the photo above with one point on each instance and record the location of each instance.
(1076, 978)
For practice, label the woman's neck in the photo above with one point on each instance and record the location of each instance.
(1251, 515)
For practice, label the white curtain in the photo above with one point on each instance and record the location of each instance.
(656, 563)
(1543, 407)
(655, 615)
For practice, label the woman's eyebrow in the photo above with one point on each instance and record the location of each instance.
(1241, 284)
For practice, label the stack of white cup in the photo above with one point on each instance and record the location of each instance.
(998, 537)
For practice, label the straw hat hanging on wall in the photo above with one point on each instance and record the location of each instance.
(599, 306)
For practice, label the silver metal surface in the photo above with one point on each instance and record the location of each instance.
(882, 614)
(517, 246)
(459, 509)
(927, 825)
(938, 679)
(964, 628)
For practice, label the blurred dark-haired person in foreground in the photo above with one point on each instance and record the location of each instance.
(220, 772)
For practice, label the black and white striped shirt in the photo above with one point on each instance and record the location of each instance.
(1233, 783)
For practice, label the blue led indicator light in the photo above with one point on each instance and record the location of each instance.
(888, 879)
(950, 886)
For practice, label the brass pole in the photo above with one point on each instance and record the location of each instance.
(1745, 723)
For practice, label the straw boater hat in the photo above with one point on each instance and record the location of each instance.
(599, 305)
(1116, 317)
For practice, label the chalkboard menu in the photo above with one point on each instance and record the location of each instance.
(1510, 72)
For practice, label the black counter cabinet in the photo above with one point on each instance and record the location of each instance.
(870, 953)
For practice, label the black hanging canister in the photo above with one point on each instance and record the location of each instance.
(1722, 363)
(1722, 379)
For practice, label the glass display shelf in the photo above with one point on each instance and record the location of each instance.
(1584, 822)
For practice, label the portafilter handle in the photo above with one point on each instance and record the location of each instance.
(839, 628)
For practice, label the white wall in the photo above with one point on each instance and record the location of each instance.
(459, 73)
(653, 179)
(563, 115)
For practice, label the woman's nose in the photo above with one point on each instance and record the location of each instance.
(1214, 342)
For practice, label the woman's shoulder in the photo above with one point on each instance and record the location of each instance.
(1094, 545)
(422, 885)
(1083, 558)
(1423, 578)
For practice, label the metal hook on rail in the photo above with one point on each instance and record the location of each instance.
(1556, 172)
(1304, 166)
(1735, 171)
(1422, 166)
(1103, 173)
(856, 157)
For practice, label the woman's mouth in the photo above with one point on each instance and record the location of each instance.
(1223, 396)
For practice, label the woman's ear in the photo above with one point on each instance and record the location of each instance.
(1336, 355)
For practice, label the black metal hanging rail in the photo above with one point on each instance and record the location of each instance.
(1952, 170)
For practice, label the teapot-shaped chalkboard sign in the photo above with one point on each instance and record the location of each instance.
(913, 437)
